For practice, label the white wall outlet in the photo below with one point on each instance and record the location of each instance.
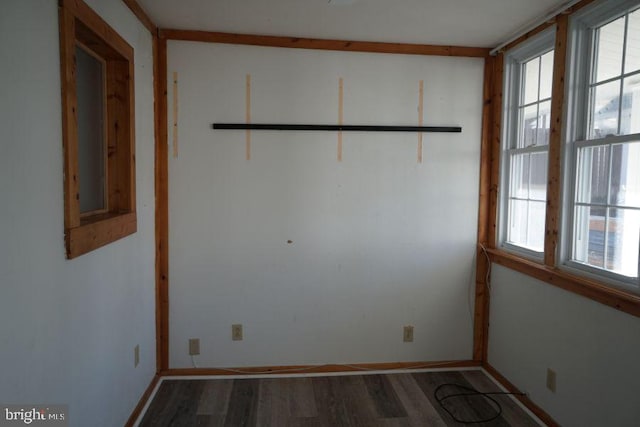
(407, 334)
(236, 332)
(551, 380)
(194, 346)
(136, 355)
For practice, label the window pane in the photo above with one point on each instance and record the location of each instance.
(623, 241)
(538, 177)
(544, 123)
(604, 109)
(528, 126)
(546, 75)
(526, 166)
(630, 118)
(625, 175)
(526, 224)
(519, 183)
(633, 43)
(517, 233)
(90, 111)
(530, 84)
(589, 235)
(610, 41)
(535, 232)
(593, 174)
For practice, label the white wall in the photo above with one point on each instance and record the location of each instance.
(594, 350)
(379, 241)
(68, 328)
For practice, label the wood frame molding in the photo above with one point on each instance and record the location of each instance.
(320, 369)
(592, 289)
(161, 174)
(528, 403)
(488, 199)
(142, 402)
(496, 146)
(162, 204)
(554, 169)
(142, 16)
(323, 44)
(548, 271)
(481, 312)
(79, 25)
(81, 11)
(99, 233)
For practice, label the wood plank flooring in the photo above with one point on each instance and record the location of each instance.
(384, 400)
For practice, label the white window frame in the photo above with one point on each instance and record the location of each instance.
(579, 69)
(512, 88)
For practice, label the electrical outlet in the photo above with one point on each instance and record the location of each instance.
(407, 334)
(236, 332)
(551, 380)
(136, 355)
(194, 346)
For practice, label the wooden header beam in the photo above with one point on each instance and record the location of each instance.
(323, 44)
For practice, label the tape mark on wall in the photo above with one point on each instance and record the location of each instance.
(175, 114)
(340, 115)
(248, 115)
(420, 118)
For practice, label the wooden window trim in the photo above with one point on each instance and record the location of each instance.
(592, 289)
(79, 25)
(546, 270)
(512, 85)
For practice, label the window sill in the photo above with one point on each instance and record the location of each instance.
(97, 231)
(521, 252)
(594, 290)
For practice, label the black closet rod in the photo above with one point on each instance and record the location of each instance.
(346, 128)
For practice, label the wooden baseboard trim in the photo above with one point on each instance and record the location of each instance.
(319, 369)
(143, 401)
(530, 405)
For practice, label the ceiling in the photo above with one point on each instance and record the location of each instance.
(482, 23)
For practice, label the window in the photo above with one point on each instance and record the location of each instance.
(98, 130)
(92, 164)
(603, 150)
(529, 75)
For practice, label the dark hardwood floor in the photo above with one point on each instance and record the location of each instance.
(385, 400)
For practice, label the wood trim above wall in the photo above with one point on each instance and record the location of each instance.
(142, 16)
(323, 44)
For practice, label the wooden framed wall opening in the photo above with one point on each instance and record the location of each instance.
(81, 27)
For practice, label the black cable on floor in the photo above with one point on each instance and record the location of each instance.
(469, 391)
